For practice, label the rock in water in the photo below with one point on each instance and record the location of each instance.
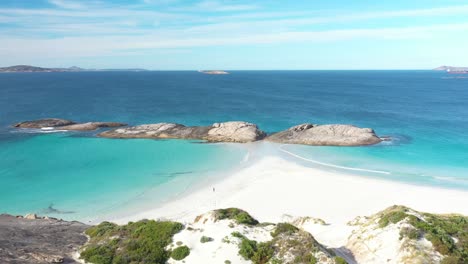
(48, 122)
(235, 131)
(326, 135)
(62, 124)
(39, 240)
(91, 126)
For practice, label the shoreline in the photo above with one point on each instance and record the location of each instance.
(273, 189)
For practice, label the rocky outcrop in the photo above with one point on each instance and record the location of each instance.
(235, 131)
(39, 239)
(41, 123)
(326, 135)
(91, 126)
(63, 124)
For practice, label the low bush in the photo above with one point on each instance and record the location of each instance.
(247, 248)
(308, 259)
(238, 215)
(440, 230)
(284, 228)
(205, 239)
(180, 253)
(340, 260)
(139, 242)
(263, 253)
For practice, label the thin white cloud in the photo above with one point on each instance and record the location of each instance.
(219, 6)
(102, 46)
(66, 4)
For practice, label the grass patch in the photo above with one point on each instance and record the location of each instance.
(238, 215)
(140, 242)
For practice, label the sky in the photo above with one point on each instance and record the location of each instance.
(234, 34)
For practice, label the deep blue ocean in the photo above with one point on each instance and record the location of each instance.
(84, 177)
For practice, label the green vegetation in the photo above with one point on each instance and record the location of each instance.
(205, 239)
(180, 253)
(440, 230)
(141, 242)
(258, 253)
(284, 228)
(227, 262)
(308, 258)
(286, 239)
(238, 215)
(340, 260)
(263, 253)
(393, 217)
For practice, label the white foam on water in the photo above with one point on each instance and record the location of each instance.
(331, 165)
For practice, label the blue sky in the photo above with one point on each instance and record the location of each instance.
(230, 34)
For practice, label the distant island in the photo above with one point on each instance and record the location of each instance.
(214, 72)
(28, 68)
(452, 69)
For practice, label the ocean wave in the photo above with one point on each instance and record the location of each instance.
(450, 179)
(395, 140)
(331, 165)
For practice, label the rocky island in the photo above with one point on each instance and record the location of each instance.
(233, 131)
(452, 69)
(217, 72)
(29, 68)
(326, 135)
(63, 124)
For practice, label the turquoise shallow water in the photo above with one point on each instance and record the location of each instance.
(424, 112)
(89, 178)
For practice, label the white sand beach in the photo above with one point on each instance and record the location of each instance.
(273, 189)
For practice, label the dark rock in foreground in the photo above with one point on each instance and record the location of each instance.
(62, 124)
(326, 135)
(39, 240)
(235, 131)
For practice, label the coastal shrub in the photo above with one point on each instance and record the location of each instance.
(103, 229)
(227, 262)
(340, 260)
(140, 242)
(447, 233)
(247, 248)
(409, 232)
(238, 235)
(392, 217)
(451, 260)
(308, 259)
(263, 253)
(284, 228)
(205, 239)
(238, 215)
(180, 253)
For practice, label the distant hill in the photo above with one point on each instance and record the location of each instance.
(28, 68)
(451, 69)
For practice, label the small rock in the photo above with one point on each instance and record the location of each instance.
(31, 216)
